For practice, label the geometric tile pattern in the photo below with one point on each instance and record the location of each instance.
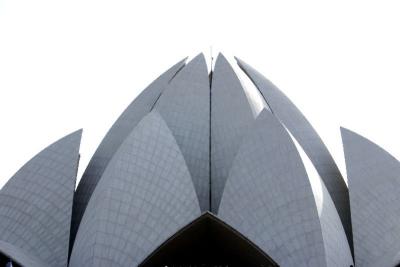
(268, 197)
(145, 195)
(36, 204)
(185, 107)
(111, 142)
(301, 129)
(337, 249)
(189, 145)
(20, 256)
(374, 186)
(231, 117)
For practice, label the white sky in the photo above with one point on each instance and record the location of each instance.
(66, 65)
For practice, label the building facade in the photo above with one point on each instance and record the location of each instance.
(189, 175)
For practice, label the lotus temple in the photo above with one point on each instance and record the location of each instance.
(190, 175)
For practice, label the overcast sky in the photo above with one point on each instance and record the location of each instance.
(66, 65)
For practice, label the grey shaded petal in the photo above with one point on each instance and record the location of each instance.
(231, 117)
(290, 116)
(141, 106)
(145, 195)
(185, 107)
(36, 203)
(374, 186)
(268, 197)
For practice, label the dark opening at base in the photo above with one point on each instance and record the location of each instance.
(4, 260)
(207, 242)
